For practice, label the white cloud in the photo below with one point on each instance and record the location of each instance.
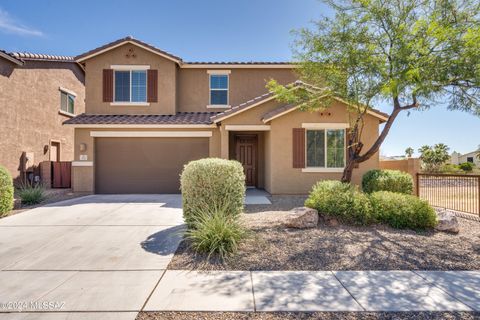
(10, 25)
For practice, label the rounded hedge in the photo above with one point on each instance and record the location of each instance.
(210, 185)
(402, 210)
(466, 166)
(387, 180)
(6, 191)
(340, 200)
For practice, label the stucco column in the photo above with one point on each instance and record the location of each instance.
(223, 142)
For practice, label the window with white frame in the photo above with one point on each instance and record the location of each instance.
(219, 89)
(130, 86)
(325, 148)
(67, 102)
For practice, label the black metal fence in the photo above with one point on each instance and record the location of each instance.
(451, 191)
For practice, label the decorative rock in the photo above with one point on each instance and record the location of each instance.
(302, 218)
(447, 221)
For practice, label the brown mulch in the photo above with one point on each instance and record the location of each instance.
(306, 315)
(271, 246)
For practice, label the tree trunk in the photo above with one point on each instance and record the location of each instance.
(347, 172)
(355, 157)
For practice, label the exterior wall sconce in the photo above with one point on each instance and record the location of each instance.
(83, 147)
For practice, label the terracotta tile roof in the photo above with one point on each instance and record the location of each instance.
(127, 39)
(242, 106)
(267, 96)
(248, 104)
(152, 119)
(271, 114)
(242, 62)
(39, 56)
(8, 56)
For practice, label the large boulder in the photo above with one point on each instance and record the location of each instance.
(302, 218)
(447, 221)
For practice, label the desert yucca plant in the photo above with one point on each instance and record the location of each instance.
(214, 231)
(31, 194)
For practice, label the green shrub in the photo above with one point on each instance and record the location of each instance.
(212, 183)
(402, 210)
(6, 191)
(215, 231)
(387, 180)
(466, 166)
(450, 168)
(31, 194)
(340, 200)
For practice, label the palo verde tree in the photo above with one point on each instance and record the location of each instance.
(412, 55)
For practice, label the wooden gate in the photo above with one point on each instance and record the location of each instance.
(61, 174)
(450, 191)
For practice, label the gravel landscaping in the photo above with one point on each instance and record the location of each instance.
(305, 315)
(52, 196)
(270, 246)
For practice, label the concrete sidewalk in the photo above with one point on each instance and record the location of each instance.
(113, 295)
(316, 291)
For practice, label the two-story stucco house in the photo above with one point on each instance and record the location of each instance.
(149, 112)
(38, 92)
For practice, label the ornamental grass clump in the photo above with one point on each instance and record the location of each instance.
(214, 231)
(31, 194)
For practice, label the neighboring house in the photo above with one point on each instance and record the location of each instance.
(148, 113)
(37, 94)
(457, 158)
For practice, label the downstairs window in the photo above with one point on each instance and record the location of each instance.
(325, 148)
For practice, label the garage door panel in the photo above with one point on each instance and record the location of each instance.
(144, 165)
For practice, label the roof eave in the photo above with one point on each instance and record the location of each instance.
(86, 56)
(11, 59)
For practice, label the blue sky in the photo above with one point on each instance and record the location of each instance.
(207, 30)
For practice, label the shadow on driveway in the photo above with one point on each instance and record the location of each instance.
(164, 242)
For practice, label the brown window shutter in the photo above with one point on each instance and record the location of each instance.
(152, 85)
(298, 147)
(107, 85)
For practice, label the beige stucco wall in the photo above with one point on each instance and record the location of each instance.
(279, 175)
(167, 73)
(244, 84)
(287, 180)
(29, 110)
(83, 177)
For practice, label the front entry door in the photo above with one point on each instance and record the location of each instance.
(246, 154)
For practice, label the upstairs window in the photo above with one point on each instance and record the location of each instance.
(67, 102)
(218, 89)
(130, 86)
(325, 148)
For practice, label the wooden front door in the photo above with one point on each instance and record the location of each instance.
(246, 154)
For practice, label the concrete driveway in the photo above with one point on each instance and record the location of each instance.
(101, 254)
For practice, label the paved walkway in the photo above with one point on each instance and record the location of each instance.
(181, 290)
(316, 291)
